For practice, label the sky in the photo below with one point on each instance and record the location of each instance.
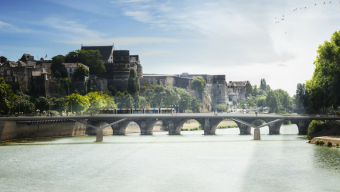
(240, 39)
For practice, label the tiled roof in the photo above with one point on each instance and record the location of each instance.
(105, 51)
(13, 64)
(21, 63)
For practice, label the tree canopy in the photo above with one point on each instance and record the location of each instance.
(78, 102)
(198, 83)
(90, 58)
(132, 87)
(80, 73)
(57, 65)
(324, 86)
(6, 97)
(3, 59)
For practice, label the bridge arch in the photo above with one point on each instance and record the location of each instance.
(175, 126)
(120, 128)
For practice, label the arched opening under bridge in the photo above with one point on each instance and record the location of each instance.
(289, 128)
(227, 126)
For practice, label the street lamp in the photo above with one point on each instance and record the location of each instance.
(71, 108)
(49, 111)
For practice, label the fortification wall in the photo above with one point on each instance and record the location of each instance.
(11, 130)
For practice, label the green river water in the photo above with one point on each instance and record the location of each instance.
(189, 162)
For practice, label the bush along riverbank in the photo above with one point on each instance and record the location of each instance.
(330, 141)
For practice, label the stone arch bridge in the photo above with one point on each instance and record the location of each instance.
(208, 121)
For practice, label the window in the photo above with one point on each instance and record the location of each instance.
(8, 72)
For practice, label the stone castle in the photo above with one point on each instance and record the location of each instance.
(30, 73)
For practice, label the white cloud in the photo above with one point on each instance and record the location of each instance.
(74, 33)
(6, 27)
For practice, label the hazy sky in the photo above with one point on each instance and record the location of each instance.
(240, 39)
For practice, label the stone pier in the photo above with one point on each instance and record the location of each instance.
(257, 135)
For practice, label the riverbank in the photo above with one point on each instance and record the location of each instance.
(326, 139)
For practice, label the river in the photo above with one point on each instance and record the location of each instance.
(189, 162)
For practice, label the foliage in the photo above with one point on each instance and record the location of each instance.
(158, 96)
(91, 86)
(99, 100)
(316, 126)
(43, 104)
(255, 91)
(259, 122)
(337, 144)
(198, 83)
(287, 122)
(3, 59)
(6, 97)
(90, 58)
(78, 102)
(263, 85)
(63, 87)
(113, 90)
(249, 89)
(57, 65)
(124, 100)
(321, 142)
(324, 86)
(317, 142)
(59, 104)
(23, 101)
(132, 87)
(329, 144)
(222, 107)
(80, 73)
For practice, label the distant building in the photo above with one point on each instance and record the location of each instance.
(71, 67)
(105, 52)
(237, 90)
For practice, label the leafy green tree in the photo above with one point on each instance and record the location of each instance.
(6, 97)
(272, 102)
(90, 58)
(79, 103)
(63, 87)
(3, 59)
(263, 85)
(99, 100)
(57, 65)
(198, 83)
(222, 107)
(261, 101)
(124, 99)
(23, 101)
(324, 86)
(59, 104)
(132, 87)
(249, 89)
(255, 91)
(80, 73)
(43, 104)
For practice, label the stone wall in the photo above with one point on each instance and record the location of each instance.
(101, 84)
(11, 130)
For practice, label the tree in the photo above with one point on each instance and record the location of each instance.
(3, 59)
(255, 91)
(90, 58)
(43, 104)
(79, 103)
(6, 97)
(23, 101)
(57, 65)
(222, 107)
(63, 87)
(59, 104)
(132, 87)
(263, 85)
(249, 89)
(324, 86)
(80, 73)
(198, 83)
(272, 102)
(124, 99)
(99, 100)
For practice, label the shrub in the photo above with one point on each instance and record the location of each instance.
(329, 144)
(317, 142)
(337, 144)
(321, 142)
